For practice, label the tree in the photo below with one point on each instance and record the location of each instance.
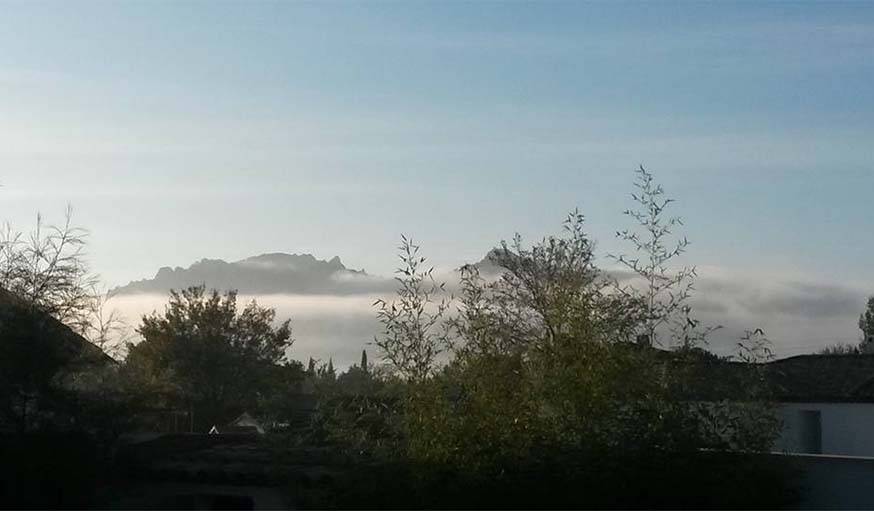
(364, 361)
(840, 349)
(541, 379)
(664, 290)
(330, 373)
(46, 290)
(866, 324)
(47, 270)
(544, 347)
(207, 356)
(356, 380)
(532, 366)
(106, 328)
(551, 292)
(866, 344)
(413, 334)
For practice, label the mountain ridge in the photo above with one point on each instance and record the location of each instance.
(268, 273)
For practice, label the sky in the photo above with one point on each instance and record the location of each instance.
(184, 130)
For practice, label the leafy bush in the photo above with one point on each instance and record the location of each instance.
(561, 388)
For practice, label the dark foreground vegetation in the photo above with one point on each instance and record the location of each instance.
(537, 381)
(706, 481)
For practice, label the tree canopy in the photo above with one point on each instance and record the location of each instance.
(205, 355)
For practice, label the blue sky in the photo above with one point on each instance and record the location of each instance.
(205, 129)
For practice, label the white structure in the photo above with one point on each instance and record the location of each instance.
(243, 424)
(245, 420)
(845, 429)
(826, 404)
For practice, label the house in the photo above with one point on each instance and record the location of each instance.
(64, 346)
(826, 404)
(40, 356)
(245, 424)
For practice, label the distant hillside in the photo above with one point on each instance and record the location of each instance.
(275, 273)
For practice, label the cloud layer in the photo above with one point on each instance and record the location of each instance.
(799, 317)
(332, 313)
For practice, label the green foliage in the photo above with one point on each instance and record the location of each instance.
(550, 290)
(356, 381)
(543, 363)
(361, 412)
(866, 324)
(547, 296)
(574, 480)
(840, 349)
(664, 291)
(542, 374)
(866, 345)
(866, 319)
(413, 337)
(46, 269)
(45, 299)
(205, 355)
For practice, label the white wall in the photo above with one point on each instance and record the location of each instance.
(847, 428)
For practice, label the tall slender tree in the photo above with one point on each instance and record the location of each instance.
(866, 323)
(414, 328)
(663, 286)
